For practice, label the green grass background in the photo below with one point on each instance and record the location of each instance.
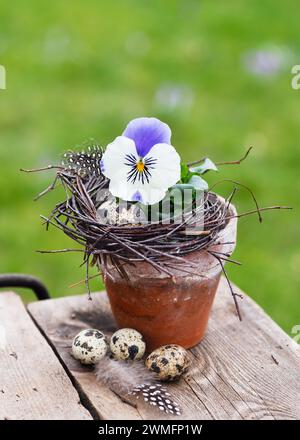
(83, 69)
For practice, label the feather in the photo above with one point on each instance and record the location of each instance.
(86, 162)
(157, 395)
(121, 376)
(135, 379)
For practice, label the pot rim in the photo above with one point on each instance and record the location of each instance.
(208, 264)
(232, 221)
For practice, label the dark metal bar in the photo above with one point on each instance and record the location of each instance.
(27, 281)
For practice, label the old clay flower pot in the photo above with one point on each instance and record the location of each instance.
(170, 310)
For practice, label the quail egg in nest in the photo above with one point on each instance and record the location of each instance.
(89, 346)
(168, 362)
(127, 344)
(113, 213)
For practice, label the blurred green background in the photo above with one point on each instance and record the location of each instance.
(219, 73)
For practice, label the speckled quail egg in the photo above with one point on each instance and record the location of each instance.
(113, 213)
(168, 362)
(89, 346)
(127, 343)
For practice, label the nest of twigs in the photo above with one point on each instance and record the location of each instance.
(162, 245)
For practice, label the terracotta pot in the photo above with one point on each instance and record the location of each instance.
(169, 310)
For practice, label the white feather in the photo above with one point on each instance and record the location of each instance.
(123, 376)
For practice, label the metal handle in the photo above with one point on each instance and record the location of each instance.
(27, 281)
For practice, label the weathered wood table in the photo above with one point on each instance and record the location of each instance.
(247, 370)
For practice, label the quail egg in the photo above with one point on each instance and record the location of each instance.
(168, 362)
(89, 346)
(127, 343)
(113, 213)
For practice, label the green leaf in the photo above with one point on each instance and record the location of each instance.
(198, 183)
(185, 172)
(207, 165)
(183, 186)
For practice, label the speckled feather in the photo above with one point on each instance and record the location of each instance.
(157, 395)
(133, 378)
(85, 162)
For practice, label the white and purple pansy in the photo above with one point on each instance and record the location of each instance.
(142, 164)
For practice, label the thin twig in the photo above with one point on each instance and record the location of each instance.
(87, 284)
(84, 281)
(234, 295)
(196, 162)
(224, 257)
(266, 208)
(49, 167)
(58, 251)
(234, 162)
(195, 233)
(245, 187)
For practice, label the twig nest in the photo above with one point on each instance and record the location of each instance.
(89, 346)
(127, 343)
(168, 362)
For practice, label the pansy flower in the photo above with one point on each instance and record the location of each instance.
(142, 164)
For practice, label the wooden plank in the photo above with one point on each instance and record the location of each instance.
(250, 368)
(247, 370)
(61, 319)
(34, 384)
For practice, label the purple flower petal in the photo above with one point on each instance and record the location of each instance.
(146, 132)
(137, 197)
(102, 167)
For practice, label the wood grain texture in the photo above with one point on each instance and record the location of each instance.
(241, 370)
(60, 320)
(33, 382)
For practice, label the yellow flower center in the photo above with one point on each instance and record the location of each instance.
(140, 166)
